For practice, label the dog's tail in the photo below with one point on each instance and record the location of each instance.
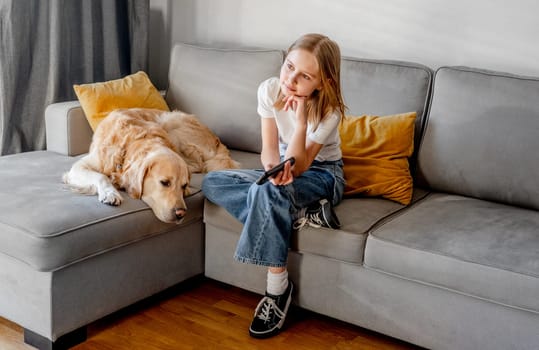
(221, 161)
(221, 164)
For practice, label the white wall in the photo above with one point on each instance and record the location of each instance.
(492, 34)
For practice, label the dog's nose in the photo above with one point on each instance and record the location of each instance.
(180, 213)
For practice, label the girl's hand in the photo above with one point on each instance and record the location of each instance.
(283, 177)
(297, 104)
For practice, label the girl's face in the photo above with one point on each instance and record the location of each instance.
(300, 74)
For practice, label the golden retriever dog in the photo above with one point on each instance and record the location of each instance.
(150, 154)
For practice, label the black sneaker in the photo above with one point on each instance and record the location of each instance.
(320, 214)
(271, 313)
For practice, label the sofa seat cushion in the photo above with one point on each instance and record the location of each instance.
(475, 247)
(45, 225)
(357, 216)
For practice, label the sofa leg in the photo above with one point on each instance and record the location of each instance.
(64, 342)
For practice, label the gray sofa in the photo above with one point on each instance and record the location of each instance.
(456, 269)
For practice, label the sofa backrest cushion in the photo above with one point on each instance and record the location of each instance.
(482, 135)
(220, 87)
(381, 87)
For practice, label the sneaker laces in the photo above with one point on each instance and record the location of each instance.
(311, 219)
(265, 308)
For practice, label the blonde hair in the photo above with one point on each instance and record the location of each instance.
(329, 97)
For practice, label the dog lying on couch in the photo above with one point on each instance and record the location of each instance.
(150, 154)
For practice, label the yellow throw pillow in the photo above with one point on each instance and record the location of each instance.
(375, 155)
(133, 91)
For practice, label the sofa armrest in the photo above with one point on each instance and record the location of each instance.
(67, 129)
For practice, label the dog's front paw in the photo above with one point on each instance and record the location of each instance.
(110, 197)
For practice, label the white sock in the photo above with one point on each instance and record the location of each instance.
(277, 282)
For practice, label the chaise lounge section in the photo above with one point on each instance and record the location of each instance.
(67, 260)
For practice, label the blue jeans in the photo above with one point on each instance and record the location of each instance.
(266, 211)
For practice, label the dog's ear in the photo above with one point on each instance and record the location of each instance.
(187, 191)
(132, 179)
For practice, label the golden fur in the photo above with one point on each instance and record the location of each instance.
(150, 154)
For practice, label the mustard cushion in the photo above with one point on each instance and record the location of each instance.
(375, 155)
(133, 91)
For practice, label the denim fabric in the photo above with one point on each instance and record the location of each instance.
(266, 211)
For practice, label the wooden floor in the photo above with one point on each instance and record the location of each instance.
(206, 314)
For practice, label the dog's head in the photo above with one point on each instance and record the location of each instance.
(161, 180)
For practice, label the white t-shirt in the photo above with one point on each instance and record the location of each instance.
(326, 134)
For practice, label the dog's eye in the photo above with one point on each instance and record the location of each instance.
(165, 183)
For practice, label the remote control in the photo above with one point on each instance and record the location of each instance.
(273, 171)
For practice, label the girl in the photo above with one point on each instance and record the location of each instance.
(300, 112)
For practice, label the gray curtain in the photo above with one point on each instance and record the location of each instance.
(49, 45)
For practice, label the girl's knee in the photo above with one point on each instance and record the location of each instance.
(211, 180)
